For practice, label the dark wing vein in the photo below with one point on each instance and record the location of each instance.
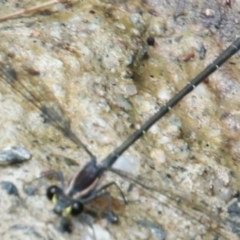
(184, 202)
(42, 98)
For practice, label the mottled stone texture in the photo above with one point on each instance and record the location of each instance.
(111, 65)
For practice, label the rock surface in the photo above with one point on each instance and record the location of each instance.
(100, 61)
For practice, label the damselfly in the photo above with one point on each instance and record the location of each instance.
(85, 184)
(48, 109)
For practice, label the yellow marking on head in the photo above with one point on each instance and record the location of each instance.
(54, 199)
(67, 211)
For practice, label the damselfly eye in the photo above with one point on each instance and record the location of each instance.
(53, 190)
(77, 208)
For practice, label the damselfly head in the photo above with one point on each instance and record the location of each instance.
(63, 205)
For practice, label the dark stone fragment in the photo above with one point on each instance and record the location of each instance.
(10, 188)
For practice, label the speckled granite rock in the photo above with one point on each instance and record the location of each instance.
(98, 61)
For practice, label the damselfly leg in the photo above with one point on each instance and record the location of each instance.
(32, 187)
(83, 188)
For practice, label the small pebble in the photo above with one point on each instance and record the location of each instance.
(220, 190)
(10, 188)
(127, 163)
(13, 154)
(99, 233)
(233, 215)
(164, 94)
(110, 217)
(29, 190)
(159, 156)
(123, 102)
(225, 194)
(155, 228)
(209, 12)
(131, 90)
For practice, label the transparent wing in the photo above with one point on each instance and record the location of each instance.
(33, 90)
(190, 205)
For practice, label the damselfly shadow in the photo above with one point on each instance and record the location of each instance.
(85, 186)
